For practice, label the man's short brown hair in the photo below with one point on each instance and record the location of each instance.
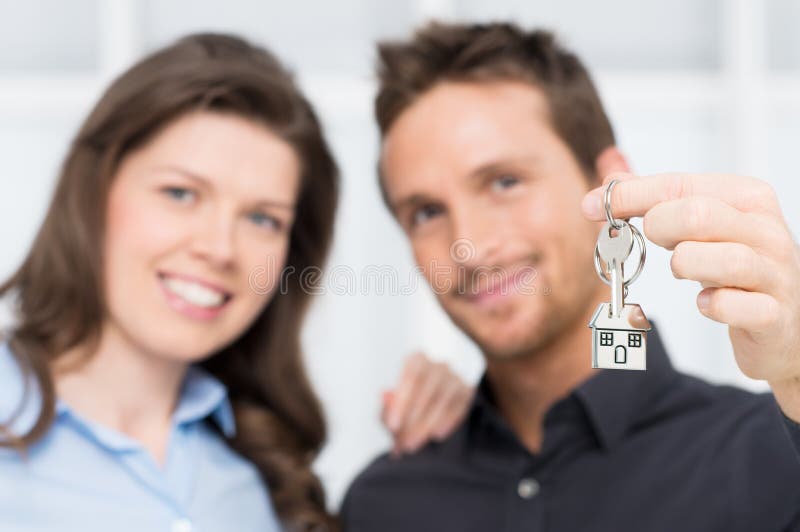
(496, 52)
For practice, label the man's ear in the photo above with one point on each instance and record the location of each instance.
(609, 161)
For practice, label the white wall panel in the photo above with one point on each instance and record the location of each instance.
(36, 39)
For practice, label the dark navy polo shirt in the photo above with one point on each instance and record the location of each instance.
(625, 451)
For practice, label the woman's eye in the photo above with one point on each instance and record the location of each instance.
(424, 214)
(504, 182)
(265, 220)
(178, 193)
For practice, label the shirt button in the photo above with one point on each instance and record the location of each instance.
(181, 525)
(528, 488)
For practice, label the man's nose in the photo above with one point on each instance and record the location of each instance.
(477, 240)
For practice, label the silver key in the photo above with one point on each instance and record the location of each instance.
(619, 329)
(614, 250)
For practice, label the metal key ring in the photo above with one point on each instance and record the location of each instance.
(642, 256)
(616, 224)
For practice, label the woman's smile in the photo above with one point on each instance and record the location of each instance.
(192, 297)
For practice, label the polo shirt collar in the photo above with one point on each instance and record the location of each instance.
(613, 400)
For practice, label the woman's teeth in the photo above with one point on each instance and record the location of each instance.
(194, 293)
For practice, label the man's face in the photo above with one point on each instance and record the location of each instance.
(489, 196)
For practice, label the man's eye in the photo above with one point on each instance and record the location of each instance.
(179, 193)
(424, 214)
(264, 220)
(504, 182)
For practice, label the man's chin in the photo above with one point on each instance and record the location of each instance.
(502, 344)
(509, 338)
(508, 350)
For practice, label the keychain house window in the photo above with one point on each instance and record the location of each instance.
(606, 338)
(634, 339)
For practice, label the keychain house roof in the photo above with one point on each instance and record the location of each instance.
(621, 342)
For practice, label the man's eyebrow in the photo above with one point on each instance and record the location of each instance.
(411, 201)
(205, 182)
(486, 169)
(502, 165)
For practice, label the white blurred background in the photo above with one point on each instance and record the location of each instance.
(690, 85)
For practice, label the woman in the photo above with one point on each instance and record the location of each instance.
(151, 381)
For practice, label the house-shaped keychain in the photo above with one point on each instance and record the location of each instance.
(621, 342)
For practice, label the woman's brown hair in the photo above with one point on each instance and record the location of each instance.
(58, 294)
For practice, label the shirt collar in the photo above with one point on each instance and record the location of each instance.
(613, 400)
(202, 395)
(616, 399)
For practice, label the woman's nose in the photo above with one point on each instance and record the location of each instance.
(215, 241)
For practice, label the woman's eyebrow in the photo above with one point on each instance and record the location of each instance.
(206, 183)
(185, 172)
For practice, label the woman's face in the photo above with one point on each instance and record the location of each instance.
(192, 215)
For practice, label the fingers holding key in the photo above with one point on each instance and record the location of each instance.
(707, 219)
(634, 196)
(732, 264)
(754, 312)
(684, 210)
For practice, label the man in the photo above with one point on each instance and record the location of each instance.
(493, 136)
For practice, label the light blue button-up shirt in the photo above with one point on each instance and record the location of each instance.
(84, 477)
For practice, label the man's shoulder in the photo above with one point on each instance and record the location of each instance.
(382, 472)
(392, 473)
(734, 421)
(398, 490)
(719, 403)
(372, 492)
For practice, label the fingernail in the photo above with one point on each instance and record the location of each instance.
(703, 300)
(411, 445)
(392, 418)
(393, 421)
(591, 204)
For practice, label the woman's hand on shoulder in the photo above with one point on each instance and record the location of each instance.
(428, 403)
